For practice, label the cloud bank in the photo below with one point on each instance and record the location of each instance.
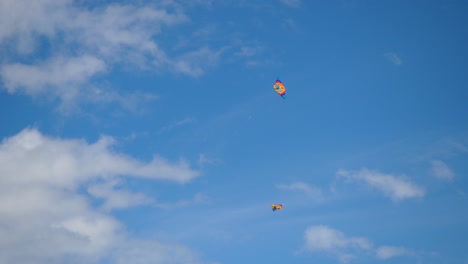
(47, 189)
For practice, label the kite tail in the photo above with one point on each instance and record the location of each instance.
(284, 97)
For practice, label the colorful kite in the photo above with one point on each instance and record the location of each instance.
(275, 207)
(279, 88)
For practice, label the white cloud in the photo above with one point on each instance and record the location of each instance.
(121, 199)
(441, 170)
(397, 188)
(61, 75)
(66, 163)
(103, 29)
(45, 217)
(119, 29)
(117, 199)
(145, 252)
(74, 43)
(393, 58)
(325, 238)
(386, 252)
(21, 21)
(321, 238)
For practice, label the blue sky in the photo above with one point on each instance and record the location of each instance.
(149, 131)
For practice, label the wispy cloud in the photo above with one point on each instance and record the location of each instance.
(199, 198)
(440, 170)
(305, 188)
(387, 252)
(457, 146)
(177, 123)
(292, 3)
(247, 51)
(250, 52)
(322, 238)
(131, 101)
(395, 187)
(45, 212)
(205, 31)
(193, 63)
(393, 58)
(203, 160)
(290, 24)
(444, 148)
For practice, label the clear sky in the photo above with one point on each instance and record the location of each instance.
(149, 131)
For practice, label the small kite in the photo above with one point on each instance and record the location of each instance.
(275, 207)
(279, 88)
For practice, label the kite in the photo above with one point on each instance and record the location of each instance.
(279, 88)
(275, 207)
